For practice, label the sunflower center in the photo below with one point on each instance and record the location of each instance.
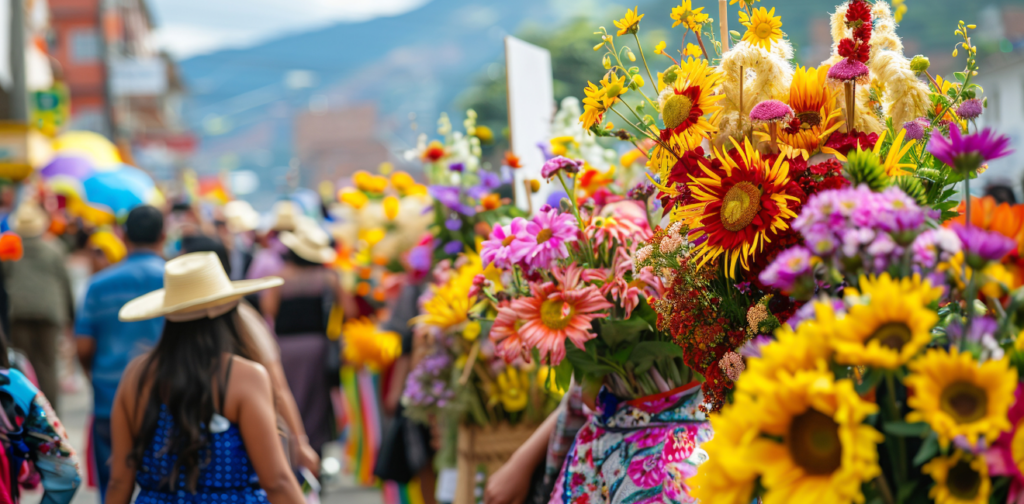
(676, 110)
(740, 205)
(544, 235)
(964, 401)
(556, 314)
(763, 30)
(892, 335)
(814, 443)
(963, 481)
(508, 240)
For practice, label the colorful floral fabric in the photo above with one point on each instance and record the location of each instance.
(637, 452)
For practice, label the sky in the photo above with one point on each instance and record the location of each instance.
(188, 28)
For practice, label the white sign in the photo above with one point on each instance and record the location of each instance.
(138, 77)
(531, 106)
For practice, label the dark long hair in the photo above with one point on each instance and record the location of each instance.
(182, 372)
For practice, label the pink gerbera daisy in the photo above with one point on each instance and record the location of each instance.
(622, 221)
(548, 233)
(554, 314)
(507, 244)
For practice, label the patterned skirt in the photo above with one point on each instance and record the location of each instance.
(640, 451)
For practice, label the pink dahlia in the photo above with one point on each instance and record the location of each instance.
(505, 335)
(555, 314)
(771, 111)
(622, 222)
(507, 245)
(547, 235)
(614, 284)
(849, 70)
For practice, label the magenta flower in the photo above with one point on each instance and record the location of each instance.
(507, 245)
(770, 111)
(787, 268)
(970, 109)
(547, 234)
(849, 70)
(981, 246)
(934, 246)
(559, 163)
(915, 130)
(968, 152)
(647, 472)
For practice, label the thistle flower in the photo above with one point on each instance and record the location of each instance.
(914, 129)
(970, 109)
(968, 152)
(771, 111)
(849, 70)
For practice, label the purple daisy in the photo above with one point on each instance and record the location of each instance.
(968, 152)
(560, 163)
(981, 246)
(970, 109)
(548, 233)
(849, 70)
(771, 111)
(449, 196)
(507, 245)
(787, 268)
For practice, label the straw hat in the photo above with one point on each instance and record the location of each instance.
(240, 216)
(195, 286)
(309, 242)
(285, 216)
(30, 220)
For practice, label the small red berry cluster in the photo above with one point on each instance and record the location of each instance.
(858, 19)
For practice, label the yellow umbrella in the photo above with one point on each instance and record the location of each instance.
(93, 146)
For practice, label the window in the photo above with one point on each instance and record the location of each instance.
(85, 45)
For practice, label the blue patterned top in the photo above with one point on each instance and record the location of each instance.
(226, 475)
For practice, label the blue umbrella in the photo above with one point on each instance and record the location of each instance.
(120, 190)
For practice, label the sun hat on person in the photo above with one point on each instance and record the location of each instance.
(240, 216)
(286, 216)
(195, 287)
(30, 220)
(309, 242)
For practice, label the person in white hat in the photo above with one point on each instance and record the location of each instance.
(299, 310)
(195, 417)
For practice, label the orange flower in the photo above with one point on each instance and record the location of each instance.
(434, 152)
(1006, 219)
(512, 160)
(10, 247)
(491, 201)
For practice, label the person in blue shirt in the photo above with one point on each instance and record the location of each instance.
(105, 344)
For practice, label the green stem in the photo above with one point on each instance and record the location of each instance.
(587, 251)
(900, 453)
(654, 83)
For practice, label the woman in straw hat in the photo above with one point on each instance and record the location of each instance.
(193, 420)
(298, 311)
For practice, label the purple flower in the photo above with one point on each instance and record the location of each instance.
(770, 111)
(934, 246)
(560, 163)
(806, 312)
(555, 198)
(968, 152)
(642, 191)
(420, 257)
(787, 268)
(849, 70)
(890, 211)
(548, 233)
(752, 348)
(981, 327)
(507, 245)
(449, 196)
(981, 246)
(970, 109)
(453, 224)
(457, 167)
(820, 239)
(453, 247)
(488, 183)
(915, 130)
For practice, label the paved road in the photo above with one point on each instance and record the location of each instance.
(74, 411)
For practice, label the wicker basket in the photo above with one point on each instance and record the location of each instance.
(482, 450)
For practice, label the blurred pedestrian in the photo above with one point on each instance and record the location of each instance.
(241, 221)
(31, 432)
(106, 344)
(42, 304)
(268, 260)
(194, 419)
(299, 311)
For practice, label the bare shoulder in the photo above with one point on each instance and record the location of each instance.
(132, 373)
(248, 376)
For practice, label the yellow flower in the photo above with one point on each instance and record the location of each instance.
(484, 133)
(685, 14)
(372, 236)
(815, 109)
(450, 302)
(692, 50)
(416, 190)
(402, 181)
(996, 279)
(365, 345)
(390, 204)
(546, 380)
(613, 86)
(353, 197)
(689, 105)
(727, 477)
(560, 145)
(744, 3)
(629, 23)
(891, 324)
(660, 48)
(472, 331)
(593, 106)
(957, 396)
(763, 27)
(513, 389)
(814, 446)
(959, 479)
(807, 348)
(896, 152)
(367, 182)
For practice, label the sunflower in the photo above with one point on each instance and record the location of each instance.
(960, 478)
(890, 325)
(763, 27)
(740, 207)
(814, 446)
(897, 150)
(687, 101)
(629, 23)
(727, 477)
(685, 14)
(449, 303)
(806, 348)
(816, 113)
(957, 396)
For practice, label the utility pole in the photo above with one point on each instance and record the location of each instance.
(19, 94)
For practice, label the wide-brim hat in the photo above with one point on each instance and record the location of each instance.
(195, 286)
(286, 216)
(240, 216)
(309, 242)
(30, 220)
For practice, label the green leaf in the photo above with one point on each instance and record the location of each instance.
(960, 76)
(870, 380)
(929, 449)
(563, 374)
(622, 355)
(904, 491)
(644, 311)
(617, 332)
(904, 429)
(646, 352)
(583, 363)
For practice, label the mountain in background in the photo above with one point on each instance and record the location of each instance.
(408, 68)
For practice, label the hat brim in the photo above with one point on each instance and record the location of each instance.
(319, 255)
(151, 305)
